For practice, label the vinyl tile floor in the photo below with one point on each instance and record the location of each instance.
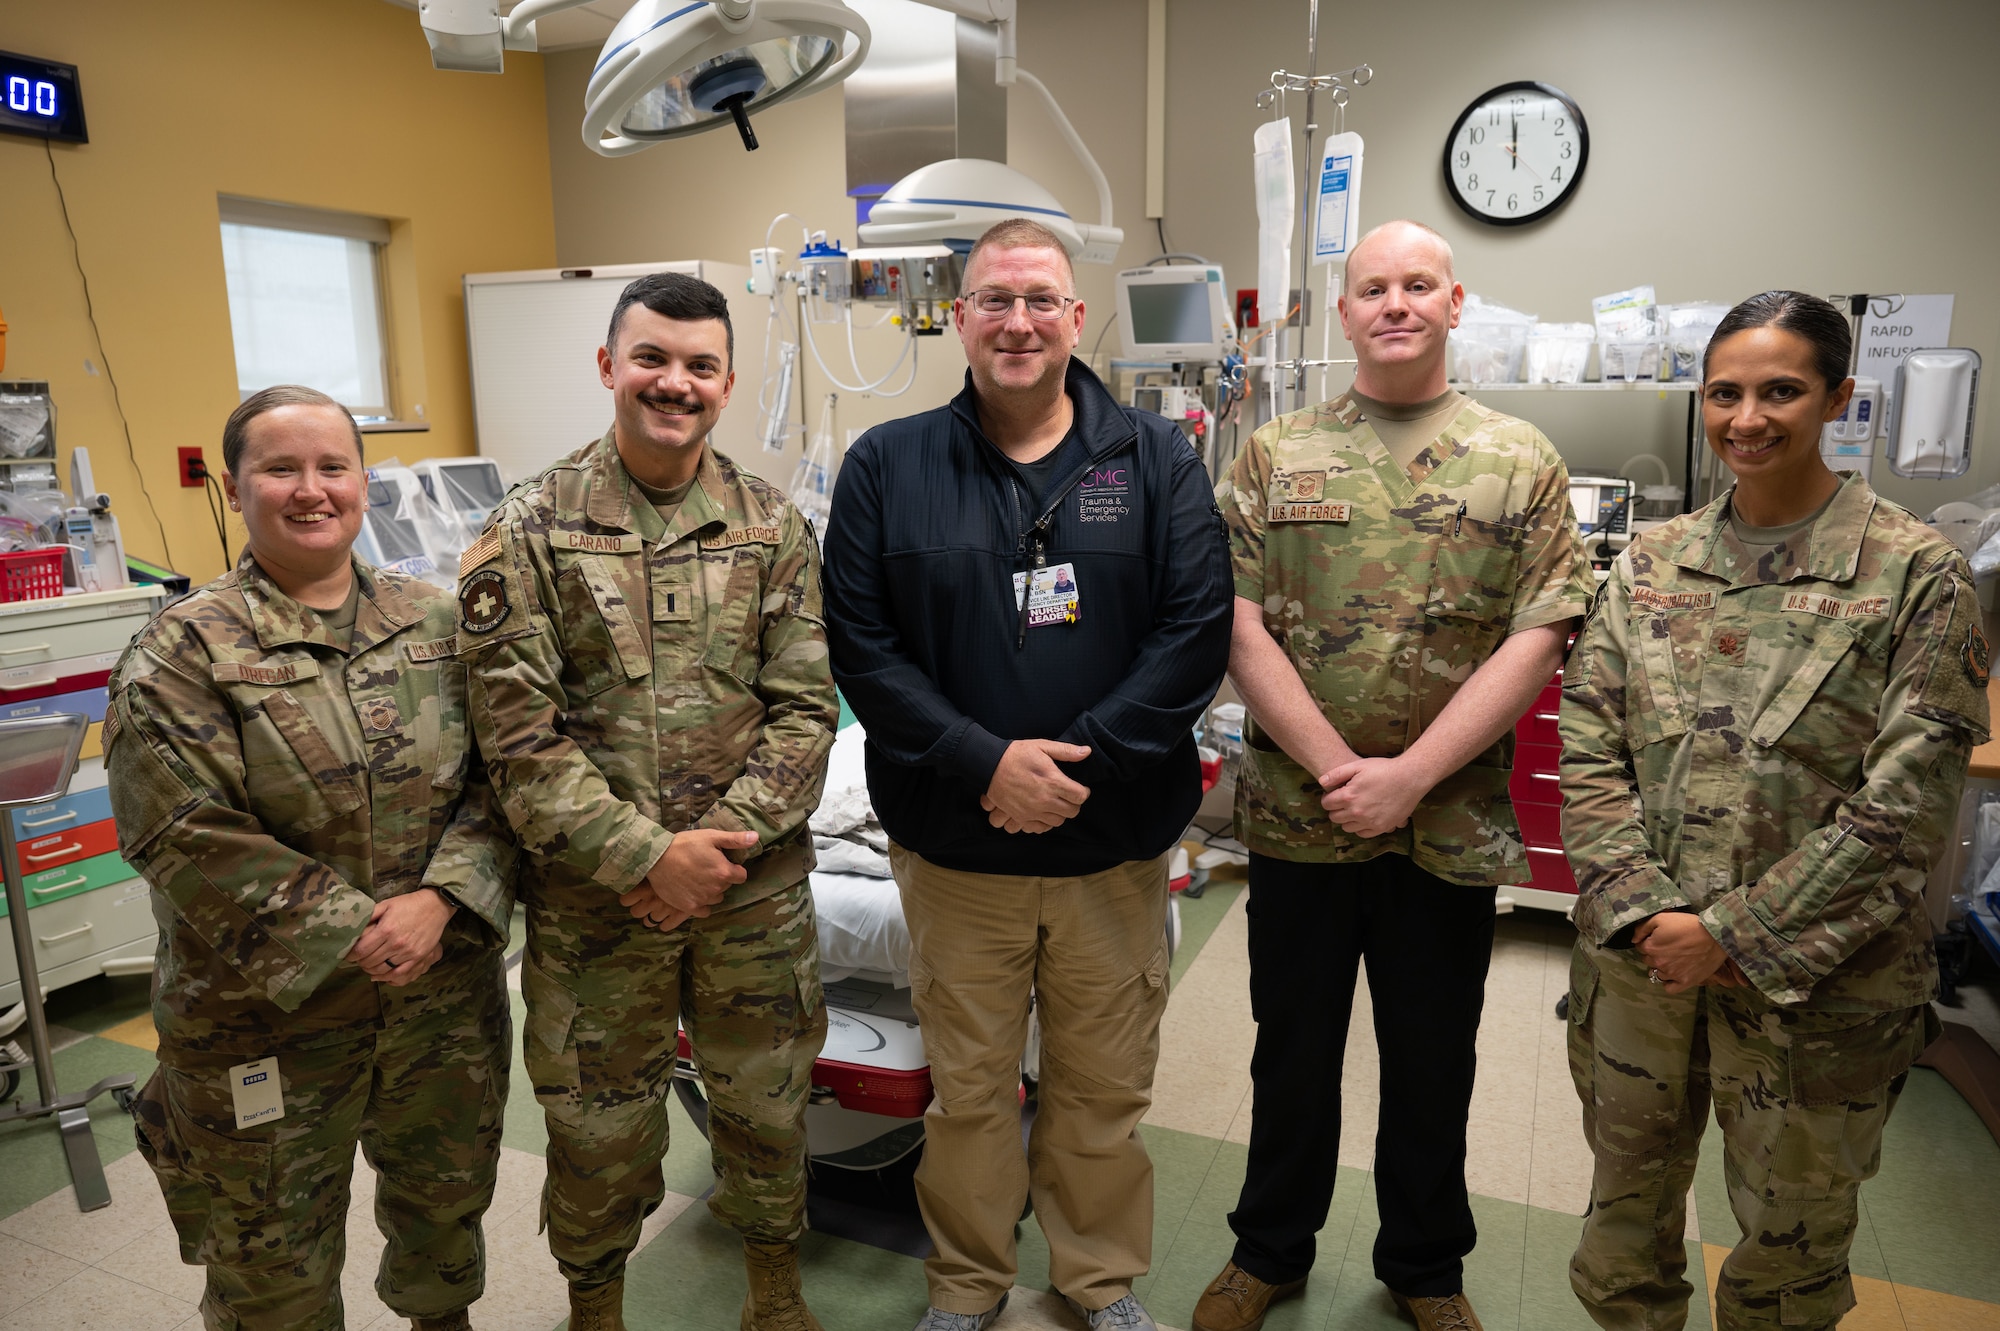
(1927, 1257)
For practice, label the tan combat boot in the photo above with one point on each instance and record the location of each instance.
(1237, 1300)
(1439, 1312)
(600, 1308)
(774, 1302)
(458, 1321)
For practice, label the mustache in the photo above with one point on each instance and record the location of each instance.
(689, 403)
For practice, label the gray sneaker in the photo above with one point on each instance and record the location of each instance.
(936, 1319)
(1124, 1315)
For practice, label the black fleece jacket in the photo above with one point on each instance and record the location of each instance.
(930, 522)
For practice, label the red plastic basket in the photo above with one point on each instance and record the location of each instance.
(31, 575)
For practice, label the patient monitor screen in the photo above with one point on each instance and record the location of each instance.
(1170, 312)
(472, 487)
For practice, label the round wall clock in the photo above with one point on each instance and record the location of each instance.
(1516, 153)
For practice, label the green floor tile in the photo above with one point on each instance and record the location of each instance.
(1199, 916)
(688, 1278)
(1931, 1208)
(31, 1156)
(853, 1287)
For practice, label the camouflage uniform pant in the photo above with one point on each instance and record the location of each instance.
(1801, 1098)
(264, 1208)
(603, 996)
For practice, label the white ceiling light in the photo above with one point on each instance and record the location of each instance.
(677, 67)
(670, 67)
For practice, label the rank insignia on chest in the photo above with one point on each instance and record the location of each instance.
(1301, 487)
(379, 715)
(482, 601)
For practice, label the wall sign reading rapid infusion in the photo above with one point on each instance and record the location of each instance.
(41, 97)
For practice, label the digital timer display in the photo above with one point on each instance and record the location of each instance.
(42, 98)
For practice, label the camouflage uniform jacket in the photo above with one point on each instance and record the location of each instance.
(1387, 587)
(272, 790)
(633, 678)
(1777, 744)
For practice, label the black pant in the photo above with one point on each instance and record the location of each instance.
(1427, 944)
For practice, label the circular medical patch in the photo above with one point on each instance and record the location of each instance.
(482, 601)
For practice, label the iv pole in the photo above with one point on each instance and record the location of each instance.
(1311, 83)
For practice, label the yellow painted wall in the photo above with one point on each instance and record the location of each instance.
(330, 103)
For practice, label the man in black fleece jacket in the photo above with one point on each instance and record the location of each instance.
(1028, 603)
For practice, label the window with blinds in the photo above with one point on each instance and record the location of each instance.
(305, 301)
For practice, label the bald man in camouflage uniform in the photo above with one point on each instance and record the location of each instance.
(651, 687)
(1774, 739)
(1407, 567)
(275, 784)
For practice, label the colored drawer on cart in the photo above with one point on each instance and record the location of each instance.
(77, 809)
(1541, 825)
(19, 683)
(73, 880)
(1535, 780)
(1539, 725)
(90, 702)
(60, 848)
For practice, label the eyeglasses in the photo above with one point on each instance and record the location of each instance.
(1043, 306)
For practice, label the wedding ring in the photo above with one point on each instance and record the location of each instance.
(1654, 975)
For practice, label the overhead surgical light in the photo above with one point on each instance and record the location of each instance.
(671, 67)
(954, 201)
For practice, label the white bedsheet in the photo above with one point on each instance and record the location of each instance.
(860, 917)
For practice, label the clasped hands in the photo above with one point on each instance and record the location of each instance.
(1681, 954)
(1368, 797)
(1029, 793)
(403, 938)
(689, 879)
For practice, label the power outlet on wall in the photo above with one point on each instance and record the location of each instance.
(194, 472)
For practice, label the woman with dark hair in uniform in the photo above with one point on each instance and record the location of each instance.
(1765, 725)
(291, 770)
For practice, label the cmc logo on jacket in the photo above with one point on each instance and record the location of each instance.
(1101, 494)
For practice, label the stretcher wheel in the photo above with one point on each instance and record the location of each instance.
(9, 1083)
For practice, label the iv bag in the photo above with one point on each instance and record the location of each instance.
(1338, 223)
(811, 492)
(1272, 162)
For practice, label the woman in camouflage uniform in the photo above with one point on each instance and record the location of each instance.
(291, 770)
(1765, 731)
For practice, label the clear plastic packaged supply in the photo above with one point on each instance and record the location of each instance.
(1687, 328)
(1626, 316)
(1631, 361)
(1558, 353)
(1487, 345)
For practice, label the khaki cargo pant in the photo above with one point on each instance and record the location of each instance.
(1091, 952)
(1801, 1098)
(604, 994)
(264, 1208)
